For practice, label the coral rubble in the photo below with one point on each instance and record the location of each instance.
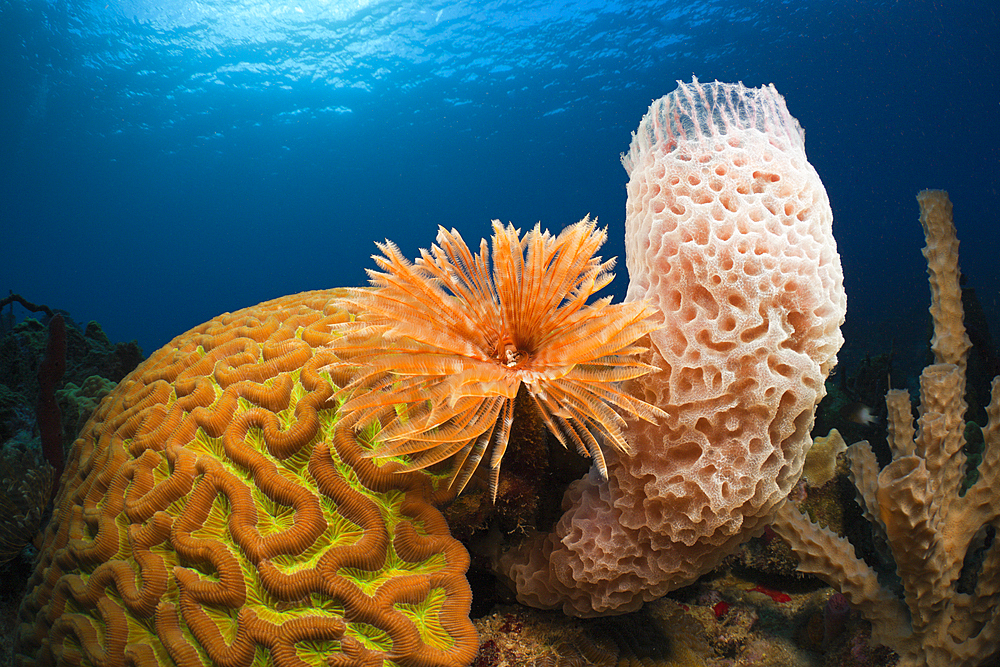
(943, 538)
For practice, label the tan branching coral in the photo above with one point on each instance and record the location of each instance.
(916, 503)
(213, 513)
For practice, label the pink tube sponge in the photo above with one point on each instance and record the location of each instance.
(728, 227)
(729, 235)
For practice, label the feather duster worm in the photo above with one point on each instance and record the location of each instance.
(440, 347)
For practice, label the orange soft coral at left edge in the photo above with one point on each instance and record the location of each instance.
(212, 513)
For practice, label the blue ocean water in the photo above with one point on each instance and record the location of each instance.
(163, 162)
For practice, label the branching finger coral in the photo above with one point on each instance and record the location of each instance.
(940, 535)
(441, 346)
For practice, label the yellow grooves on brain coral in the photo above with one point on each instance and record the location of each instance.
(212, 513)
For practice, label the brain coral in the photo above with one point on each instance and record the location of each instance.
(212, 513)
(728, 234)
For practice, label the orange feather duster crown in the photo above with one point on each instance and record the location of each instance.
(440, 347)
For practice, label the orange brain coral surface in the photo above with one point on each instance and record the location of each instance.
(212, 513)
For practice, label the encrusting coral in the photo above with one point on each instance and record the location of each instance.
(821, 461)
(77, 403)
(729, 236)
(944, 542)
(212, 512)
(441, 346)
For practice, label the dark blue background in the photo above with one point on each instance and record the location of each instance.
(164, 163)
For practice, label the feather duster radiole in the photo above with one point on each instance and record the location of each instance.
(440, 347)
